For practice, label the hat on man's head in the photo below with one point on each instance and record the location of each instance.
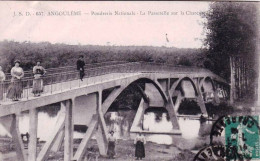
(17, 61)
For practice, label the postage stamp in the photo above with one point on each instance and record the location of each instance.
(239, 137)
(242, 137)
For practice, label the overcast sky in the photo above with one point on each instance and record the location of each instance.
(183, 30)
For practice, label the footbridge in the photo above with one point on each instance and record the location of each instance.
(164, 86)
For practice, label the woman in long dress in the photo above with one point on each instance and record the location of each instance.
(15, 89)
(38, 72)
(139, 142)
(111, 145)
(2, 79)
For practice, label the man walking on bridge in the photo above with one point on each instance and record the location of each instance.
(80, 67)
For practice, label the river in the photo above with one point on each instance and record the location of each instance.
(120, 122)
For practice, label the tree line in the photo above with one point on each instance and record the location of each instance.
(57, 55)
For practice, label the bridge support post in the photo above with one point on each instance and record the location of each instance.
(11, 124)
(57, 145)
(170, 108)
(69, 128)
(101, 134)
(109, 100)
(215, 93)
(178, 102)
(139, 116)
(200, 100)
(79, 155)
(32, 147)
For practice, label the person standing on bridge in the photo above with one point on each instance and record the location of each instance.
(38, 72)
(80, 67)
(2, 79)
(15, 90)
(139, 142)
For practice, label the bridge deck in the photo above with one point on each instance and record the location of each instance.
(97, 76)
(67, 86)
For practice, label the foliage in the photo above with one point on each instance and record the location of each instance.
(56, 55)
(129, 99)
(231, 31)
(189, 107)
(220, 110)
(185, 61)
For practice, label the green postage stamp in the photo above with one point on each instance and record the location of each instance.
(242, 137)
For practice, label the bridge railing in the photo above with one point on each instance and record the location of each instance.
(52, 81)
(50, 71)
(56, 81)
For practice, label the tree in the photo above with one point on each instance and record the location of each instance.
(231, 41)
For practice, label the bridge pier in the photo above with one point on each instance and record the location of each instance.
(33, 124)
(11, 124)
(69, 129)
(102, 133)
(170, 108)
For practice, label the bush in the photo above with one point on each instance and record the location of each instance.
(189, 107)
(220, 110)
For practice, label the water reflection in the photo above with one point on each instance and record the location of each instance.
(189, 128)
(121, 122)
(157, 122)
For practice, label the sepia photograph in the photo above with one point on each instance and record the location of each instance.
(133, 80)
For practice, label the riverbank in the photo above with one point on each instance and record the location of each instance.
(125, 150)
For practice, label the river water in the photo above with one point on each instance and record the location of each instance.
(121, 122)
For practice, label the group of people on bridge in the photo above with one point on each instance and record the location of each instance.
(15, 89)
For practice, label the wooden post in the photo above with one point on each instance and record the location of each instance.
(32, 147)
(69, 128)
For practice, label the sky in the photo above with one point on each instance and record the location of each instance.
(183, 31)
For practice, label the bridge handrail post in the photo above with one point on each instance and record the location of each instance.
(28, 86)
(61, 82)
(51, 82)
(70, 81)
